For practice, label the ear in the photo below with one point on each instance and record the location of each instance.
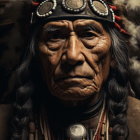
(113, 62)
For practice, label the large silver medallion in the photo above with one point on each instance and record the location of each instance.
(99, 7)
(74, 5)
(76, 132)
(46, 8)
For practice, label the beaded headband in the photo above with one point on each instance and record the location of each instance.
(50, 10)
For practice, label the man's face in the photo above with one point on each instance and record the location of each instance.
(75, 58)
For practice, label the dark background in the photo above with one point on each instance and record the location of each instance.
(14, 22)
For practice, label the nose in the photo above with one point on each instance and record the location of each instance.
(74, 49)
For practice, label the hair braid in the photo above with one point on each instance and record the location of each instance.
(118, 87)
(22, 108)
(23, 104)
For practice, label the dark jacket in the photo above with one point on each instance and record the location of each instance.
(133, 118)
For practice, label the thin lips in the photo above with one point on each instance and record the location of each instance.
(75, 76)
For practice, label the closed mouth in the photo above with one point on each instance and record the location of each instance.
(73, 78)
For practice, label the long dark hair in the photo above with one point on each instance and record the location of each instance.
(117, 89)
(23, 104)
(117, 86)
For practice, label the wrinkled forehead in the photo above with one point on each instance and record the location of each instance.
(72, 25)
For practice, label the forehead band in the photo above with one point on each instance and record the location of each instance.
(51, 10)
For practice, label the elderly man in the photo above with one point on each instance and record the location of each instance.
(74, 77)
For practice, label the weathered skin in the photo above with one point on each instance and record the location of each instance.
(75, 60)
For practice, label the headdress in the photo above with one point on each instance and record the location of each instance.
(100, 10)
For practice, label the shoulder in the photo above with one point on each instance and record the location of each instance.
(133, 118)
(6, 111)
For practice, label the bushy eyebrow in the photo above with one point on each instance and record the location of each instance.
(93, 27)
(51, 28)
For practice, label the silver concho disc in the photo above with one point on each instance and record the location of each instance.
(76, 132)
(46, 8)
(99, 7)
(74, 5)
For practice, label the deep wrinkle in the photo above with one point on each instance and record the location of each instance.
(93, 27)
(87, 26)
(72, 58)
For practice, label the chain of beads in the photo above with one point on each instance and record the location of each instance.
(74, 10)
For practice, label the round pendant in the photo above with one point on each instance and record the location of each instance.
(76, 132)
(46, 8)
(74, 5)
(99, 7)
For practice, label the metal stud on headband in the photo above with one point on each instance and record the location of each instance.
(46, 8)
(99, 7)
(74, 5)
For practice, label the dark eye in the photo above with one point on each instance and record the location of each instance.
(89, 34)
(55, 36)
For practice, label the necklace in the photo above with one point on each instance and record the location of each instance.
(78, 131)
(102, 126)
